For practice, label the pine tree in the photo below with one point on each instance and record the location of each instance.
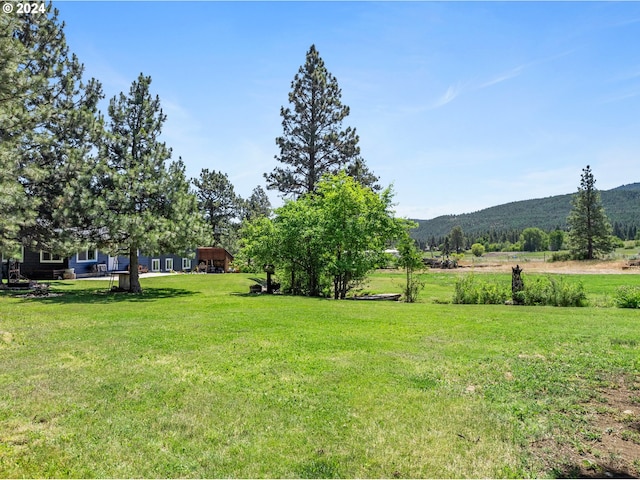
(49, 126)
(257, 205)
(217, 200)
(589, 228)
(313, 141)
(457, 238)
(146, 204)
(62, 144)
(16, 209)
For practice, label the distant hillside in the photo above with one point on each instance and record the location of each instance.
(622, 205)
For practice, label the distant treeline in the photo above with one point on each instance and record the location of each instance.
(503, 224)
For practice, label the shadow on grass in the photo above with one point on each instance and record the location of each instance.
(281, 295)
(597, 471)
(102, 295)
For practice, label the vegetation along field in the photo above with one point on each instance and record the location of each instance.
(197, 378)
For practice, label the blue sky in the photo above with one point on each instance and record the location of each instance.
(460, 105)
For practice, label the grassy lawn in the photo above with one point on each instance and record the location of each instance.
(195, 378)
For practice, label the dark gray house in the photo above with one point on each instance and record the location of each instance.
(41, 265)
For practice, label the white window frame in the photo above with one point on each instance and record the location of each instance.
(168, 264)
(52, 258)
(155, 264)
(186, 264)
(86, 254)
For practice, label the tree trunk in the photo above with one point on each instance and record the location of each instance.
(134, 276)
(345, 284)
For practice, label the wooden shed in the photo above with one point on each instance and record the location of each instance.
(213, 259)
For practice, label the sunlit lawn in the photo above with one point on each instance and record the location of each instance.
(195, 378)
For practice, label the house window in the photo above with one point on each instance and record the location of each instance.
(168, 264)
(186, 264)
(155, 264)
(48, 257)
(87, 255)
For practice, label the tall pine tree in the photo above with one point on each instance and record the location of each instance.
(16, 209)
(589, 227)
(313, 141)
(257, 205)
(217, 201)
(146, 203)
(49, 127)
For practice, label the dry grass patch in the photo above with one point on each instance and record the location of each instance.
(608, 443)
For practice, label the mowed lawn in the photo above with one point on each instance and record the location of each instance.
(196, 378)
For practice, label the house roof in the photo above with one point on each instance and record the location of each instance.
(213, 253)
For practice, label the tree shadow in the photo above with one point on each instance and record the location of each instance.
(596, 471)
(102, 296)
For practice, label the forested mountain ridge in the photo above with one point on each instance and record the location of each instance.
(622, 205)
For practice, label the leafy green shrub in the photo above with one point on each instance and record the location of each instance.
(464, 290)
(627, 297)
(617, 242)
(536, 291)
(567, 294)
(470, 290)
(553, 291)
(513, 247)
(560, 257)
(477, 249)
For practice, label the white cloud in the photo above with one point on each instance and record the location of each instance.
(452, 92)
(514, 72)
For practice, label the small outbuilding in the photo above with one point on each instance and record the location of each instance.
(213, 259)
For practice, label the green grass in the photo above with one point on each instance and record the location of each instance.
(196, 378)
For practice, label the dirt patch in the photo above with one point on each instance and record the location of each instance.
(542, 266)
(608, 442)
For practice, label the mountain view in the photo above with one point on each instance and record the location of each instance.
(622, 205)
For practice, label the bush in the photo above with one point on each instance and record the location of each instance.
(627, 297)
(549, 290)
(617, 242)
(554, 291)
(513, 247)
(477, 249)
(470, 290)
(560, 257)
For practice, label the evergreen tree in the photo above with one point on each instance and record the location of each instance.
(16, 87)
(457, 238)
(49, 126)
(446, 247)
(218, 201)
(257, 205)
(146, 204)
(313, 141)
(589, 228)
(361, 174)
